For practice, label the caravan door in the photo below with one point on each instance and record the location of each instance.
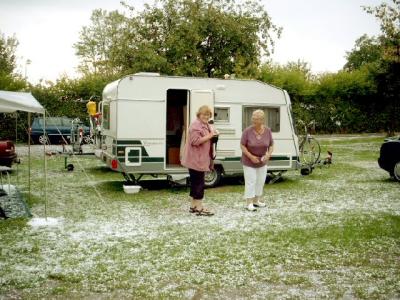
(199, 98)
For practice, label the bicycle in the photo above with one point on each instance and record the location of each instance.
(309, 147)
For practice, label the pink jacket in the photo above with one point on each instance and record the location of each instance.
(196, 156)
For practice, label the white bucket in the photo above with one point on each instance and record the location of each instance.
(98, 153)
(132, 189)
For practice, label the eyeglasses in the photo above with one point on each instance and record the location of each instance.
(206, 115)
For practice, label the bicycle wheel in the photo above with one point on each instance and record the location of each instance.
(310, 151)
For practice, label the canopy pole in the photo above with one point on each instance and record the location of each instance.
(45, 165)
(29, 156)
(16, 139)
(16, 126)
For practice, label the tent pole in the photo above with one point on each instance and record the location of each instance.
(29, 156)
(16, 126)
(45, 164)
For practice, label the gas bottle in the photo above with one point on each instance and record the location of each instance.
(91, 108)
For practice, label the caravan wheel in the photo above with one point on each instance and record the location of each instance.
(213, 177)
(396, 171)
(43, 139)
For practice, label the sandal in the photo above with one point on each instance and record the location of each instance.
(204, 212)
(193, 210)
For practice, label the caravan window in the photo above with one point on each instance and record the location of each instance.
(106, 116)
(272, 116)
(221, 114)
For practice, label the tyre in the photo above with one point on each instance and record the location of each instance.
(213, 177)
(310, 151)
(305, 170)
(88, 140)
(396, 171)
(43, 139)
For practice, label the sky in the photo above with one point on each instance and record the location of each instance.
(316, 31)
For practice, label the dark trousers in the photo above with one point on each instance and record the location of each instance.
(196, 184)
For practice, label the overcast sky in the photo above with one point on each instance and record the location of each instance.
(317, 31)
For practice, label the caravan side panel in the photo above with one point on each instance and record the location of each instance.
(139, 127)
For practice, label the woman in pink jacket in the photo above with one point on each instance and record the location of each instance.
(197, 158)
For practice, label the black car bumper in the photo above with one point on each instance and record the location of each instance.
(389, 155)
(8, 160)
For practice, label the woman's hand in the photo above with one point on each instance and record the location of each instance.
(210, 135)
(266, 157)
(254, 159)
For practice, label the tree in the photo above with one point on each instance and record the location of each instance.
(180, 37)
(367, 51)
(388, 74)
(99, 43)
(342, 101)
(8, 45)
(389, 18)
(294, 77)
(9, 80)
(66, 97)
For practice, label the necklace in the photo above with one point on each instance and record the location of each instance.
(259, 133)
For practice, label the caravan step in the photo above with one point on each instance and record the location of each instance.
(178, 178)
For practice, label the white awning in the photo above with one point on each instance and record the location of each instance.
(13, 101)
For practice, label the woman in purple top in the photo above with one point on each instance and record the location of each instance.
(257, 146)
(197, 157)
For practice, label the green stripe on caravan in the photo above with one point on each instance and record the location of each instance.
(127, 142)
(122, 144)
(238, 158)
(161, 159)
(144, 159)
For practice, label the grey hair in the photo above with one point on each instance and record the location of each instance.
(258, 113)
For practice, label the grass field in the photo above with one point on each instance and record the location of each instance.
(333, 234)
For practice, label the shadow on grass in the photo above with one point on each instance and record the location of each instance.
(383, 180)
(110, 186)
(31, 200)
(13, 223)
(226, 185)
(287, 182)
(149, 185)
(99, 170)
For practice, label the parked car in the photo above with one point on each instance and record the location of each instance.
(57, 129)
(7, 153)
(389, 158)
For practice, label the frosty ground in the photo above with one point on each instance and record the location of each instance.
(333, 234)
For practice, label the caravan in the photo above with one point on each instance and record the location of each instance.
(145, 118)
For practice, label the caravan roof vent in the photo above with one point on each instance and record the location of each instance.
(150, 74)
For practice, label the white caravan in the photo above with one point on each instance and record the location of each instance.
(146, 117)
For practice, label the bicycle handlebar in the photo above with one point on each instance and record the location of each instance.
(301, 122)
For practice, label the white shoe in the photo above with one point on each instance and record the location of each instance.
(260, 204)
(251, 207)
